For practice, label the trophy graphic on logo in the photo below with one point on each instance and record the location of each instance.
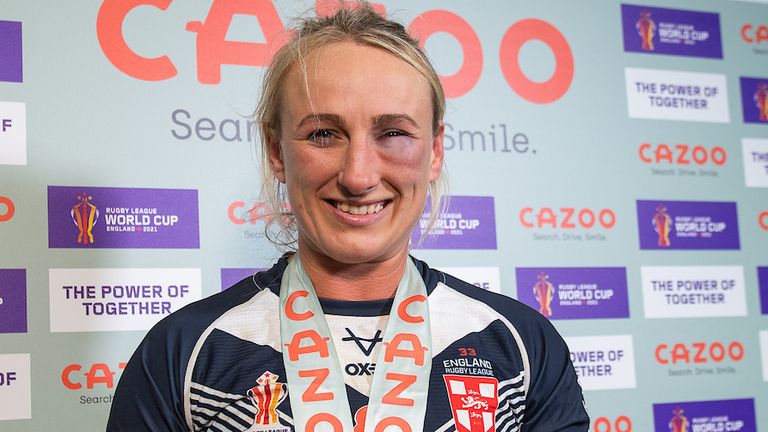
(84, 215)
(543, 291)
(761, 100)
(266, 396)
(662, 224)
(646, 28)
(679, 422)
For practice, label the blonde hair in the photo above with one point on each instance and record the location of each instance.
(358, 23)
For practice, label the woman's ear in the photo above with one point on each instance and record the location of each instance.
(438, 152)
(275, 155)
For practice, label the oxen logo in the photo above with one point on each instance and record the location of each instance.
(473, 402)
(84, 215)
(542, 291)
(266, 396)
(761, 100)
(679, 422)
(646, 28)
(662, 224)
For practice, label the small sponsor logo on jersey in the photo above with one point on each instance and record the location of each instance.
(15, 387)
(96, 217)
(487, 278)
(467, 362)
(653, 30)
(366, 346)
(574, 293)
(693, 291)
(755, 35)
(755, 155)
(716, 415)
(265, 396)
(13, 131)
(468, 223)
(687, 225)
(676, 95)
(13, 300)
(603, 362)
(754, 99)
(11, 56)
(473, 402)
(124, 299)
(231, 276)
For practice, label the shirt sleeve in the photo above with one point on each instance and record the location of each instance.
(555, 402)
(149, 395)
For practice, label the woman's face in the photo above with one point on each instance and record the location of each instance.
(356, 151)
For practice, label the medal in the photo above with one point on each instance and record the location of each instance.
(400, 384)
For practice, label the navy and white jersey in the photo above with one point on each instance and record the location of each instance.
(217, 365)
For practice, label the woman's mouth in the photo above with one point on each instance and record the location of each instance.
(361, 209)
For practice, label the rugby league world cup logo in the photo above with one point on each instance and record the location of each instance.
(646, 28)
(761, 100)
(84, 215)
(543, 291)
(679, 422)
(662, 224)
(266, 396)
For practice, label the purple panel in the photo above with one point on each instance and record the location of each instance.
(718, 415)
(653, 30)
(98, 217)
(754, 99)
(469, 223)
(574, 293)
(11, 69)
(687, 225)
(762, 283)
(231, 276)
(13, 301)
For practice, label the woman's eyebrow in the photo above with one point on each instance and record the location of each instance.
(384, 119)
(322, 117)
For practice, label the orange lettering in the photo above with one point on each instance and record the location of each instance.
(392, 421)
(291, 313)
(324, 417)
(393, 350)
(311, 394)
(10, 209)
(109, 32)
(402, 311)
(214, 50)
(514, 39)
(431, 22)
(392, 397)
(319, 345)
(65, 374)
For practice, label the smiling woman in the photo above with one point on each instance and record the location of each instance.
(351, 126)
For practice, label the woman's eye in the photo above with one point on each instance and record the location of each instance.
(321, 136)
(394, 133)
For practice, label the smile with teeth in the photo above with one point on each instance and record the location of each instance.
(360, 210)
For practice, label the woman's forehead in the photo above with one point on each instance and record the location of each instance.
(355, 76)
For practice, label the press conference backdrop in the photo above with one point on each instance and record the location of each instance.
(608, 166)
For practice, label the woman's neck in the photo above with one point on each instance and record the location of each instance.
(355, 282)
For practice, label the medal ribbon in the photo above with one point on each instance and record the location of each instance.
(400, 384)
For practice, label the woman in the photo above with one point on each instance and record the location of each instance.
(361, 335)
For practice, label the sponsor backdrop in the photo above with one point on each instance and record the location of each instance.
(608, 166)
